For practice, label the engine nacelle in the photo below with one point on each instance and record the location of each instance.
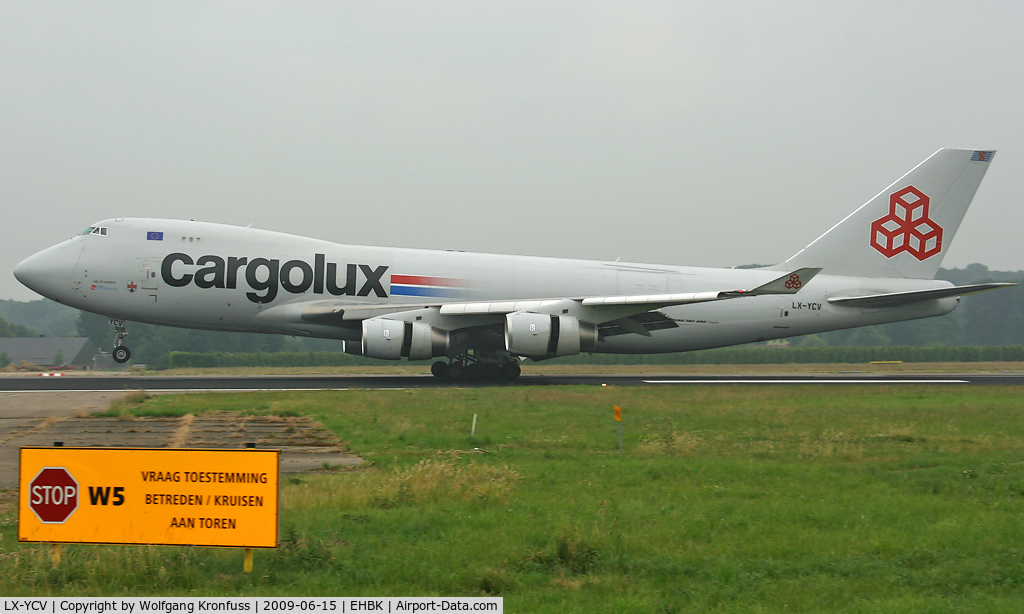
(393, 339)
(542, 335)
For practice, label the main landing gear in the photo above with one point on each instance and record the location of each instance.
(121, 353)
(466, 368)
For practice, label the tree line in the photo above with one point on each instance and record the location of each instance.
(15, 330)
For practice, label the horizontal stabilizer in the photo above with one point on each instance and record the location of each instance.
(895, 299)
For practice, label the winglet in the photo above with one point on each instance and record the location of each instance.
(790, 283)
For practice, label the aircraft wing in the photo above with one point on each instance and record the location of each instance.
(600, 309)
(895, 299)
(452, 316)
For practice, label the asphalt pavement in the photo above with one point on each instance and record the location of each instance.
(160, 383)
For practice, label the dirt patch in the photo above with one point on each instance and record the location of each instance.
(40, 419)
(23, 367)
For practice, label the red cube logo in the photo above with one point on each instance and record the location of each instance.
(907, 227)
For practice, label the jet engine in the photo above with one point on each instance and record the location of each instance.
(541, 335)
(393, 339)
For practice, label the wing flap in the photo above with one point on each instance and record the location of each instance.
(640, 324)
(895, 299)
(494, 307)
(658, 299)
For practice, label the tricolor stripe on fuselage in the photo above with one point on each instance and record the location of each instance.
(420, 285)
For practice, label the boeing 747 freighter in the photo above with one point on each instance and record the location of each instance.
(479, 314)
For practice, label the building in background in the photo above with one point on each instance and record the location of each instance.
(77, 352)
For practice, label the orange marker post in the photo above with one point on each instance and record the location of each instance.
(618, 418)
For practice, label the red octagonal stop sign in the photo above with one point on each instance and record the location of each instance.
(53, 495)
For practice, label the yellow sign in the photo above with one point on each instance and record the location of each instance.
(149, 496)
(618, 413)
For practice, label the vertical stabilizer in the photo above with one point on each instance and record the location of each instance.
(906, 229)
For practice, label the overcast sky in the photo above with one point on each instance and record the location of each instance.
(703, 133)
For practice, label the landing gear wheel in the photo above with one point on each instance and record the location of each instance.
(456, 371)
(491, 371)
(439, 370)
(511, 371)
(473, 371)
(121, 354)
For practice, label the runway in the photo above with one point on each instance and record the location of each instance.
(228, 383)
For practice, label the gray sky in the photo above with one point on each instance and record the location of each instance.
(702, 133)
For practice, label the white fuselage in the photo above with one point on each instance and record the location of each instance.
(219, 277)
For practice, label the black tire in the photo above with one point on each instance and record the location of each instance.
(121, 354)
(439, 370)
(474, 372)
(491, 371)
(456, 371)
(511, 371)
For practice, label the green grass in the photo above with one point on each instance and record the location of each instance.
(851, 499)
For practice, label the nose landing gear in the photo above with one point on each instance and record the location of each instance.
(121, 353)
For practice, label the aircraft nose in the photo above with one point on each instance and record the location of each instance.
(49, 271)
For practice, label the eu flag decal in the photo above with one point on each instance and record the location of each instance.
(154, 236)
(982, 156)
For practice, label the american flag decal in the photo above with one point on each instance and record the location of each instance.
(982, 156)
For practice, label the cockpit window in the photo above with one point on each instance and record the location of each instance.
(87, 231)
(94, 230)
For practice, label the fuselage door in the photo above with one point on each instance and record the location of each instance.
(149, 271)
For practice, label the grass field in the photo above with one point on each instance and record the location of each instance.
(746, 499)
